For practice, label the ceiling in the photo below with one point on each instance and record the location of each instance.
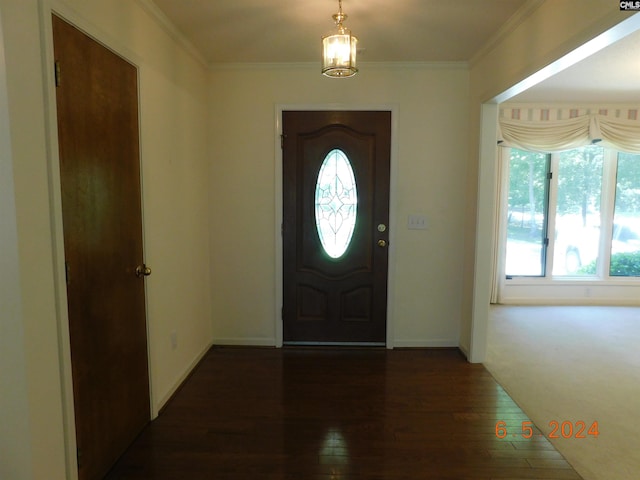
(279, 31)
(268, 31)
(611, 75)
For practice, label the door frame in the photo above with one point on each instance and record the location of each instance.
(47, 9)
(278, 254)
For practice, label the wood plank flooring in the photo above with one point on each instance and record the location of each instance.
(339, 414)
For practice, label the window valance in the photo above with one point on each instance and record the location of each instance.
(557, 129)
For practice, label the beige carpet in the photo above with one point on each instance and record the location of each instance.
(570, 364)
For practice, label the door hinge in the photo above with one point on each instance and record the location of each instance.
(79, 457)
(546, 242)
(57, 73)
(67, 273)
(549, 175)
(282, 137)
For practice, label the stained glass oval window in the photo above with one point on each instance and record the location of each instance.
(336, 203)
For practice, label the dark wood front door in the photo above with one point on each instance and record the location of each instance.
(97, 108)
(335, 226)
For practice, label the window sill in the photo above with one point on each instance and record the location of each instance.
(566, 280)
(570, 291)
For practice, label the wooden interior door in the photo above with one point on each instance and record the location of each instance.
(97, 108)
(335, 297)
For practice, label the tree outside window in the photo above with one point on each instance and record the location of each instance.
(586, 230)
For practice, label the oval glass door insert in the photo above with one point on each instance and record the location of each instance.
(336, 203)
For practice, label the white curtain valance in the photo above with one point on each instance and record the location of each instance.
(556, 129)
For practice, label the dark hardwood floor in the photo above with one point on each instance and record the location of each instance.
(339, 414)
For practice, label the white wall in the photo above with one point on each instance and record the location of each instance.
(15, 438)
(432, 111)
(174, 145)
(35, 239)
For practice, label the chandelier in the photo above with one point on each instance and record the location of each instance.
(339, 49)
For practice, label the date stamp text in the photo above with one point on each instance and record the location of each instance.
(565, 429)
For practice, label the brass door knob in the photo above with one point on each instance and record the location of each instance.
(142, 271)
(382, 243)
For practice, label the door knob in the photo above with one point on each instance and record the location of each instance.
(382, 243)
(142, 271)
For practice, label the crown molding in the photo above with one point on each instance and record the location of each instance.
(170, 29)
(363, 66)
(514, 22)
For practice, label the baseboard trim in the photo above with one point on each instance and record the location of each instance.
(271, 342)
(180, 382)
(464, 350)
(245, 342)
(571, 302)
(434, 343)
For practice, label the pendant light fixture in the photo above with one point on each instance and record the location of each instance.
(339, 49)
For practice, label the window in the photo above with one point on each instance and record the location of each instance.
(336, 203)
(625, 241)
(527, 212)
(578, 216)
(573, 215)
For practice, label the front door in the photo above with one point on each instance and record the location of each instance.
(97, 107)
(335, 226)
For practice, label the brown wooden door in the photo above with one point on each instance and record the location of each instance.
(97, 107)
(335, 296)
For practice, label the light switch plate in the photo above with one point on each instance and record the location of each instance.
(417, 222)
